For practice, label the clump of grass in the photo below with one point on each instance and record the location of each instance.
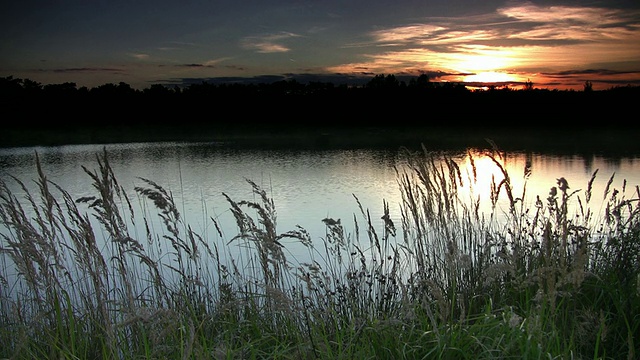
(446, 282)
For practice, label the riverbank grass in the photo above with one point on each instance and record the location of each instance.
(447, 282)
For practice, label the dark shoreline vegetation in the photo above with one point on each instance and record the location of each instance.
(444, 283)
(385, 112)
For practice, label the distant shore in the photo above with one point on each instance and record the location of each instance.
(585, 139)
(292, 115)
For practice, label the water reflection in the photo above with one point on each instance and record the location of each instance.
(527, 176)
(306, 185)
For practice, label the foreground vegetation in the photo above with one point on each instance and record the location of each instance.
(447, 282)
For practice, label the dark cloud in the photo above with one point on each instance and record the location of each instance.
(195, 66)
(83, 70)
(592, 72)
(305, 78)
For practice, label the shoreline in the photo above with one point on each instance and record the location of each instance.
(614, 141)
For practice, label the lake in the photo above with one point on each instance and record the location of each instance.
(306, 185)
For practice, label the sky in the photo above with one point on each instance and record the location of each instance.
(553, 44)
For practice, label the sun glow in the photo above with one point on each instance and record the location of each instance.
(490, 77)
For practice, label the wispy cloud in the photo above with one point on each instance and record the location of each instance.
(564, 14)
(516, 36)
(215, 62)
(406, 34)
(271, 43)
(86, 70)
(192, 65)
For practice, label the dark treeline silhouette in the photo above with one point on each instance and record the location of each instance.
(35, 113)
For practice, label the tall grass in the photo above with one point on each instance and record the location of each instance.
(448, 282)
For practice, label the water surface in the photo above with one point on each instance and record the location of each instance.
(306, 186)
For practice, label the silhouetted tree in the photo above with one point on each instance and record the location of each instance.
(528, 85)
(31, 87)
(157, 90)
(10, 85)
(382, 82)
(64, 89)
(588, 86)
(421, 82)
(284, 87)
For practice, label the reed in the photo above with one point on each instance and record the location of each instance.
(447, 282)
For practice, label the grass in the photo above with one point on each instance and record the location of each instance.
(447, 282)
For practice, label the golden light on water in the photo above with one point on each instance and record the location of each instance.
(486, 179)
(481, 171)
(532, 176)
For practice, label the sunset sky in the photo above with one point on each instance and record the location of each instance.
(554, 44)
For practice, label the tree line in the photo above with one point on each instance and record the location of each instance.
(10, 86)
(383, 99)
(14, 87)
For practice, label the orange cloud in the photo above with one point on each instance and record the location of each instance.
(515, 39)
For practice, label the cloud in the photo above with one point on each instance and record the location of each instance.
(214, 62)
(191, 65)
(603, 76)
(304, 78)
(86, 70)
(268, 43)
(207, 64)
(597, 71)
(226, 80)
(563, 14)
(405, 34)
(574, 23)
(140, 56)
(516, 36)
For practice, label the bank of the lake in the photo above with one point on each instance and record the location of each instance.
(579, 139)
